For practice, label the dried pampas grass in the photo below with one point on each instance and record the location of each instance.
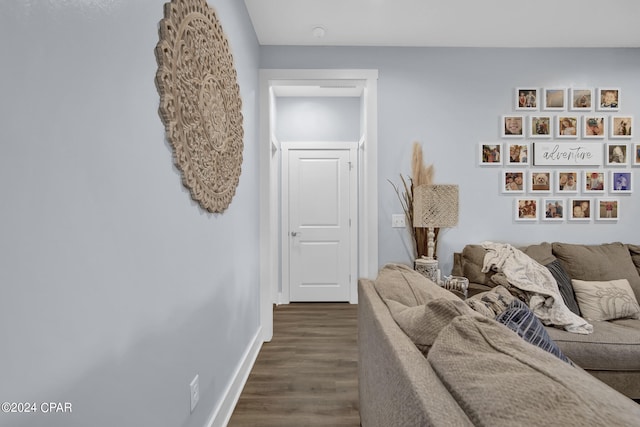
(421, 174)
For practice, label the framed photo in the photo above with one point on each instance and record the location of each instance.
(607, 209)
(490, 154)
(594, 181)
(540, 181)
(621, 181)
(554, 99)
(567, 181)
(518, 154)
(513, 182)
(526, 210)
(581, 99)
(617, 154)
(579, 209)
(621, 126)
(512, 126)
(594, 126)
(540, 126)
(636, 154)
(608, 99)
(526, 98)
(553, 209)
(567, 126)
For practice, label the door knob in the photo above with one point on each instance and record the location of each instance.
(294, 233)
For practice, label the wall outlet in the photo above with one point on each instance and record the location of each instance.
(194, 389)
(398, 221)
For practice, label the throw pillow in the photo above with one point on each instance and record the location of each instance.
(521, 320)
(608, 300)
(491, 303)
(564, 284)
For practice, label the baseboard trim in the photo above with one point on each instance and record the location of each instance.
(222, 412)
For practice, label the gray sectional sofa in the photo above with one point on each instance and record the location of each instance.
(427, 359)
(612, 352)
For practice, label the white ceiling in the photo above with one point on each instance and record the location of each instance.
(448, 23)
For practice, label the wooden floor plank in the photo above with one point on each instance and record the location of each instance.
(308, 374)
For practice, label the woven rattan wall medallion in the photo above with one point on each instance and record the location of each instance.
(200, 103)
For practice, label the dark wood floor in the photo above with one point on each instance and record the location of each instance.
(308, 374)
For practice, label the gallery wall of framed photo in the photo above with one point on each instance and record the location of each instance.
(565, 154)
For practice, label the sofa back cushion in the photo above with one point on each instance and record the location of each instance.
(604, 262)
(634, 251)
(469, 262)
(490, 371)
(398, 282)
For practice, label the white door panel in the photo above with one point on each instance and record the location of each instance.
(319, 210)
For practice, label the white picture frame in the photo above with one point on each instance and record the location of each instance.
(513, 181)
(616, 154)
(554, 99)
(568, 153)
(527, 99)
(607, 209)
(579, 209)
(608, 99)
(512, 126)
(567, 181)
(540, 181)
(490, 153)
(594, 181)
(594, 126)
(621, 182)
(540, 126)
(581, 99)
(526, 209)
(567, 126)
(517, 153)
(621, 127)
(553, 209)
(635, 155)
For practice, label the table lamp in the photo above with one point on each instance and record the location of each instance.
(433, 206)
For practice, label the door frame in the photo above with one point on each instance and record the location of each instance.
(270, 155)
(284, 296)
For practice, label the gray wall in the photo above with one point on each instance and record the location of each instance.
(116, 287)
(449, 99)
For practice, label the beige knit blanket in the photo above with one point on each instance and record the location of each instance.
(526, 274)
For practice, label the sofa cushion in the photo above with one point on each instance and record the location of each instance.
(564, 285)
(634, 251)
(612, 346)
(490, 371)
(423, 323)
(401, 283)
(598, 262)
(542, 253)
(470, 265)
(521, 320)
(606, 300)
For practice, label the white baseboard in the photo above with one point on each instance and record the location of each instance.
(222, 412)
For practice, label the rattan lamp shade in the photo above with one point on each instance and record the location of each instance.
(435, 206)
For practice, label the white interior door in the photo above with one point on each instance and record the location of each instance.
(321, 183)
